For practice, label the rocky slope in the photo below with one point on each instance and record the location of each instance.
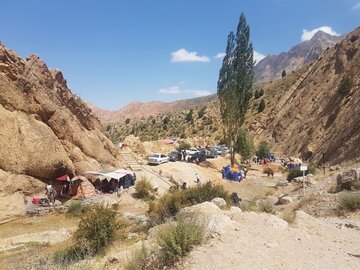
(45, 130)
(300, 55)
(319, 113)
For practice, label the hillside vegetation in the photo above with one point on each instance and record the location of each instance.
(202, 120)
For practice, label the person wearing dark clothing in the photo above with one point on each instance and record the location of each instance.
(235, 199)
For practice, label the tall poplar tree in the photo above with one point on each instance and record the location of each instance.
(235, 82)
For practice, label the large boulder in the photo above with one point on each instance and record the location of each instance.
(219, 202)
(28, 146)
(346, 179)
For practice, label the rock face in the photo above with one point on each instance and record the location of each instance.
(300, 55)
(314, 117)
(45, 130)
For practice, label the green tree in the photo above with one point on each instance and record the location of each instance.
(166, 120)
(257, 94)
(283, 74)
(261, 106)
(235, 82)
(263, 150)
(189, 116)
(201, 112)
(244, 145)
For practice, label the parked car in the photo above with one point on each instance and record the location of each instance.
(174, 156)
(158, 158)
(211, 152)
(222, 150)
(198, 157)
(191, 151)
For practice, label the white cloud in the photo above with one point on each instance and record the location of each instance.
(170, 90)
(183, 55)
(258, 57)
(199, 93)
(220, 56)
(178, 90)
(356, 6)
(308, 34)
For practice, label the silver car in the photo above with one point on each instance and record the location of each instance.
(158, 158)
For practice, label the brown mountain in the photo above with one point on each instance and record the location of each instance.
(300, 55)
(45, 130)
(137, 110)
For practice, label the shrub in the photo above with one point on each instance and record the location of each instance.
(297, 173)
(283, 74)
(349, 202)
(201, 112)
(96, 229)
(127, 121)
(176, 240)
(70, 254)
(205, 192)
(261, 92)
(139, 260)
(144, 189)
(262, 106)
(256, 95)
(170, 204)
(266, 207)
(263, 150)
(165, 207)
(354, 38)
(345, 86)
(166, 120)
(76, 208)
(183, 146)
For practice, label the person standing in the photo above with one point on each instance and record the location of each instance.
(50, 193)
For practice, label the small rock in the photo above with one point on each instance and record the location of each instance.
(219, 202)
(334, 168)
(284, 199)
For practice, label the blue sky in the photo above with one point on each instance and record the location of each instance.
(116, 52)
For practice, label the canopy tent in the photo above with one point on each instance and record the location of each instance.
(117, 174)
(64, 177)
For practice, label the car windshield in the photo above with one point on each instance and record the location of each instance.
(154, 155)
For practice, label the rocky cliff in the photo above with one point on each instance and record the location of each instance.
(300, 55)
(319, 113)
(45, 130)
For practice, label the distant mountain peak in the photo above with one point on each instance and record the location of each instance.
(298, 56)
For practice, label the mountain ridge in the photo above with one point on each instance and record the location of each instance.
(272, 66)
